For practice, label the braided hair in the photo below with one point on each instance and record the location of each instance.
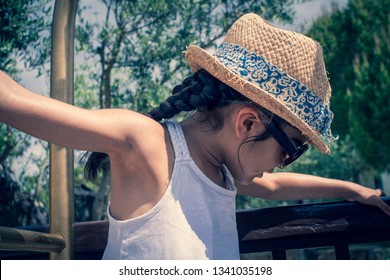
(200, 92)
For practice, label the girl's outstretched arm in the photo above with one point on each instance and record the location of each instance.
(136, 144)
(64, 124)
(293, 186)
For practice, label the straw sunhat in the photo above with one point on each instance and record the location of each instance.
(282, 71)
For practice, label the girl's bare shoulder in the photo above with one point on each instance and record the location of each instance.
(140, 174)
(139, 130)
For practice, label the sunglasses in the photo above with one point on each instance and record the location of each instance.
(291, 151)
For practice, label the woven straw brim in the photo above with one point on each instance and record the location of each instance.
(200, 59)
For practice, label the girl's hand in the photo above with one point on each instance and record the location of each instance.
(371, 197)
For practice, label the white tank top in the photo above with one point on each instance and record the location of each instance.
(195, 218)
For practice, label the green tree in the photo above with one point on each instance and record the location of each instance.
(370, 104)
(356, 50)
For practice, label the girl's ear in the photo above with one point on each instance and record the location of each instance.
(248, 122)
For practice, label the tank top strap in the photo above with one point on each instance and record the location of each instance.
(178, 140)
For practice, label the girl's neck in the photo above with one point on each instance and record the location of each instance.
(205, 149)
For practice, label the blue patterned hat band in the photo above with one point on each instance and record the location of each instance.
(289, 91)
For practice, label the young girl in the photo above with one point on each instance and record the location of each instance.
(256, 103)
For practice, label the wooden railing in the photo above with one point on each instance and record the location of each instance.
(278, 229)
(337, 224)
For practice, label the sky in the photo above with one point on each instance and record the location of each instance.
(305, 14)
(310, 11)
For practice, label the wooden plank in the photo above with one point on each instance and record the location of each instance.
(18, 239)
(311, 225)
(309, 219)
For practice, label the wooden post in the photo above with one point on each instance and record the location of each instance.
(61, 159)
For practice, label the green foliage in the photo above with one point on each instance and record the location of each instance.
(370, 103)
(248, 202)
(12, 145)
(17, 207)
(356, 50)
(343, 163)
(24, 33)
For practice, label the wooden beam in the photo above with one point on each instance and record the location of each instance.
(61, 159)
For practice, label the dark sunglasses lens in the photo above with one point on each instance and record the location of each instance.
(300, 151)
